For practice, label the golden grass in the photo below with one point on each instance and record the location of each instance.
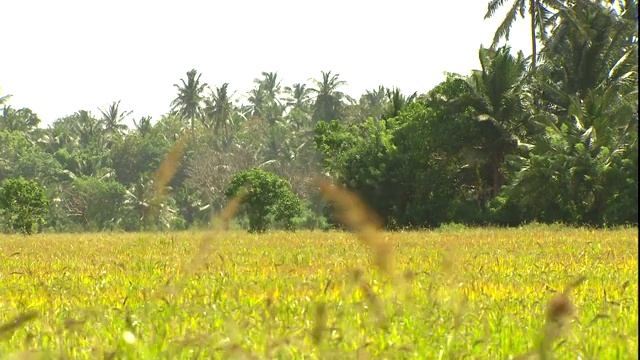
(476, 293)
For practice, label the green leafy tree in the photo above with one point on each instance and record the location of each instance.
(20, 156)
(267, 198)
(135, 155)
(25, 204)
(94, 203)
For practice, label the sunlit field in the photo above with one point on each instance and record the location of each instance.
(453, 293)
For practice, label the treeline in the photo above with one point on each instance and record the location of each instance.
(510, 143)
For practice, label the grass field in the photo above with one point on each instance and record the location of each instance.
(453, 293)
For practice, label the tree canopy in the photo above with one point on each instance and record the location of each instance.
(551, 137)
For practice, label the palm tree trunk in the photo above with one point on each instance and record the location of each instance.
(532, 9)
(496, 174)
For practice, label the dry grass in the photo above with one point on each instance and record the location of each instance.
(479, 293)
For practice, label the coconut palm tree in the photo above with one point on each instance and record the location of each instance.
(396, 102)
(5, 99)
(372, 102)
(298, 96)
(188, 103)
(540, 14)
(591, 43)
(87, 128)
(257, 100)
(219, 108)
(270, 85)
(329, 101)
(23, 119)
(590, 74)
(497, 93)
(144, 126)
(112, 120)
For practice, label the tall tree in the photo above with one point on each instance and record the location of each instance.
(298, 96)
(329, 100)
(257, 101)
(88, 128)
(539, 13)
(188, 103)
(23, 119)
(219, 108)
(497, 94)
(397, 102)
(372, 102)
(112, 120)
(266, 97)
(144, 126)
(270, 85)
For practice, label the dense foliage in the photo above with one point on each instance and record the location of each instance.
(266, 197)
(23, 203)
(510, 143)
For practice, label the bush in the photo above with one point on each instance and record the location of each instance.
(95, 203)
(25, 204)
(267, 198)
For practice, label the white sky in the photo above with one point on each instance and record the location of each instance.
(58, 57)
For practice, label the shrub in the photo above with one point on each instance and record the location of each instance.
(25, 204)
(267, 198)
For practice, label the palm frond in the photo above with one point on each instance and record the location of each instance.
(505, 27)
(492, 7)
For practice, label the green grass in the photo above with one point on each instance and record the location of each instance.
(458, 293)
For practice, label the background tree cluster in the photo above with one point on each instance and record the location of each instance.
(548, 138)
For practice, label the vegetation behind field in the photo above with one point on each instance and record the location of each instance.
(549, 138)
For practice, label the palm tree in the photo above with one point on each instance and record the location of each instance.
(218, 109)
(329, 102)
(23, 119)
(372, 102)
(590, 73)
(60, 135)
(87, 127)
(112, 119)
(5, 99)
(497, 93)
(270, 85)
(143, 126)
(188, 104)
(298, 96)
(397, 102)
(257, 100)
(590, 41)
(265, 98)
(540, 15)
